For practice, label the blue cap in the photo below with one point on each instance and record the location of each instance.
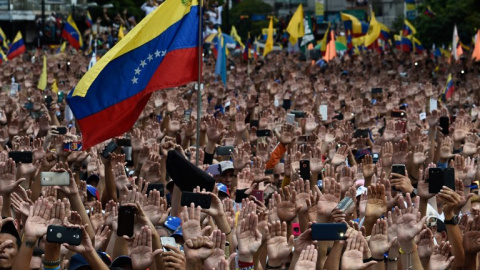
(122, 261)
(77, 260)
(178, 232)
(172, 223)
(362, 152)
(222, 188)
(93, 191)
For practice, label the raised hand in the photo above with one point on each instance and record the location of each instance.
(379, 243)
(191, 222)
(441, 259)
(96, 216)
(156, 208)
(248, 237)
(307, 259)
(85, 246)
(408, 222)
(471, 236)
(102, 237)
(7, 177)
(218, 253)
(174, 258)
(352, 258)
(198, 248)
(285, 201)
(425, 244)
(37, 221)
(140, 249)
(278, 248)
(329, 199)
(376, 201)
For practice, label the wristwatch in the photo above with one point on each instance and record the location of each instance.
(453, 221)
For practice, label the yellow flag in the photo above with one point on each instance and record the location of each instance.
(54, 86)
(42, 83)
(269, 44)
(373, 31)
(121, 32)
(295, 27)
(234, 35)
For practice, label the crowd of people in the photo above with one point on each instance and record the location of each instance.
(301, 166)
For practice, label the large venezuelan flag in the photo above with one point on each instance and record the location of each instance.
(408, 28)
(160, 52)
(72, 34)
(17, 47)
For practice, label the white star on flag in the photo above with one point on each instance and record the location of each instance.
(137, 71)
(134, 80)
(157, 53)
(150, 57)
(143, 63)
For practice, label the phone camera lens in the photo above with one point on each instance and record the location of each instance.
(59, 235)
(296, 230)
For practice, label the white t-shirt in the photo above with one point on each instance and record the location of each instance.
(219, 15)
(209, 31)
(147, 9)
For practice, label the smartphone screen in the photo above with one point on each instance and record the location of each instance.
(398, 169)
(290, 119)
(328, 231)
(264, 133)
(258, 194)
(202, 200)
(449, 178)
(296, 229)
(323, 109)
(224, 150)
(21, 156)
(61, 234)
(444, 123)
(110, 148)
(166, 240)
(345, 203)
(305, 169)
(398, 114)
(126, 219)
(435, 180)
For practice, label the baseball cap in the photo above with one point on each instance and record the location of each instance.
(178, 232)
(226, 165)
(122, 261)
(172, 223)
(92, 191)
(222, 188)
(77, 260)
(361, 153)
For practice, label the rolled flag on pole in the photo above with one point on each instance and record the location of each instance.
(269, 44)
(42, 83)
(457, 50)
(331, 51)
(476, 51)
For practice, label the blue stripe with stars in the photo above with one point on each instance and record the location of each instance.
(130, 73)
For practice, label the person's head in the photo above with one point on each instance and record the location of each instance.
(440, 234)
(223, 192)
(36, 262)
(226, 173)
(278, 174)
(9, 253)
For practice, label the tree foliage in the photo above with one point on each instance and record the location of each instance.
(439, 30)
(249, 7)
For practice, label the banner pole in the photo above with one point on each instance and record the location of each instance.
(199, 84)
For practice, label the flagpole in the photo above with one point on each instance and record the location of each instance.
(199, 89)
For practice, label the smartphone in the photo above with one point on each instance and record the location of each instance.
(287, 103)
(186, 115)
(21, 156)
(60, 130)
(377, 90)
(345, 203)
(323, 109)
(296, 229)
(398, 168)
(264, 133)
(398, 114)
(298, 114)
(224, 150)
(167, 240)
(227, 249)
(375, 158)
(254, 123)
(290, 119)
(158, 186)
(202, 200)
(54, 178)
(444, 123)
(435, 180)
(60, 96)
(28, 106)
(258, 194)
(48, 101)
(110, 148)
(124, 142)
(361, 133)
(305, 169)
(329, 231)
(61, 234)
(433, 104)
(126, 220)
(449, 178)
(72, 146)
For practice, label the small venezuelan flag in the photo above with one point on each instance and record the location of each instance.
(88, 19)
(160, 52)
(72, 34)
(449, 88)
(17, 47)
